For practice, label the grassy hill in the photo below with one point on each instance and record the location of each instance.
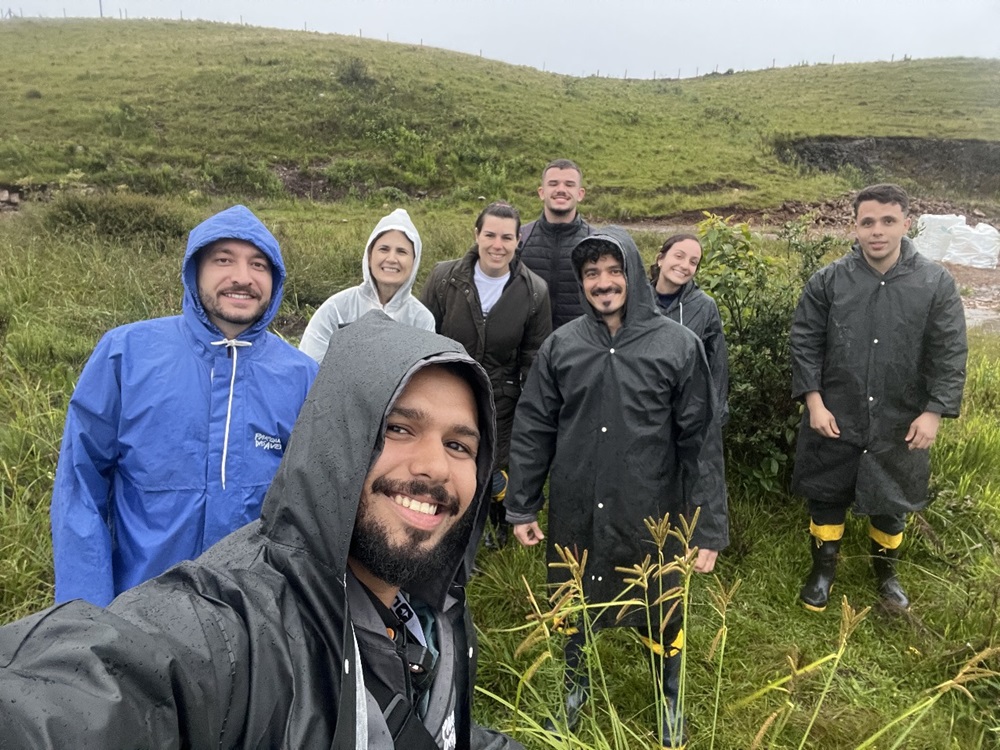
(168, 107)
(323, 134)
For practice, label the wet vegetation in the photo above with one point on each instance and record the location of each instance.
(122, 135)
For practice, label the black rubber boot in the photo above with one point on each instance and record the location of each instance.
(674, 726)
(815, 592)
(890, 591)
(577, 695)
(497, 530)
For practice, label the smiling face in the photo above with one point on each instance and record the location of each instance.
(234, 284)
(391, 262)
(604, 286)
(413, 520)
(678, 265)
(880, 228)
(497, 241)
(560, 192)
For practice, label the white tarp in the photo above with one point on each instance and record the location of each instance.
(948, 238)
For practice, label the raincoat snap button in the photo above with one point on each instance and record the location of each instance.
(876, 341)
(600, 505)
(604, 429)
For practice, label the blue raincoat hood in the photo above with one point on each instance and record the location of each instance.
(236, 223)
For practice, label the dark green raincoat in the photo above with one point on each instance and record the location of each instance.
(880, 349)
(617, 424)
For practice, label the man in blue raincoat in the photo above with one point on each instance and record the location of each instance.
(178, 424)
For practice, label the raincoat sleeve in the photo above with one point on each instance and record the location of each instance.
(699, 446)
(533, 440)
(423, 318)
(946, 350)
(712, 529)
(808, 337)
(429, 297)
(539, 326)
(82, 677)
(81, 533)
(717, 354)
(322, 324)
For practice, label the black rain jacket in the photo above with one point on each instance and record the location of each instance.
(697, 312)
(617, 424)
(259, 642)
(505, 341)
(880, 349)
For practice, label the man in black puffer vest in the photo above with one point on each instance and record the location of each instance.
(546, 244)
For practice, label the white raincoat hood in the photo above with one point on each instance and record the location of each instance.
(401, 221)
(348, 305)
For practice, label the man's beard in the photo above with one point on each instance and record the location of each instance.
(212, 307)
(563, 211)
(404, 564)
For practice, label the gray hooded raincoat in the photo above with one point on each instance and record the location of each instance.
(260, 641)
(617, 424)
(880, 349)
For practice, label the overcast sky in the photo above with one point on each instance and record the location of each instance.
(640, 38)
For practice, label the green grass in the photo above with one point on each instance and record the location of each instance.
(951, 569)
(61, 287)
(167, 107)
(202, 115)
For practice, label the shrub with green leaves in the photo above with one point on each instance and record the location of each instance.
(757, 295)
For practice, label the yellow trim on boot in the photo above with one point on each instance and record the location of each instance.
(677, 645)
(671, 650)
(828, 532)
(885, 541)
(498, 498)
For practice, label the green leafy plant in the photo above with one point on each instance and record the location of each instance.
(756, 301)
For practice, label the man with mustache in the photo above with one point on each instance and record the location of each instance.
(338, 621)
(177, 424)
(615, 411)
(878, 356)
(547, 242)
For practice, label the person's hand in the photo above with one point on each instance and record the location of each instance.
(923, 431)
(528, 534)
(822, 420)
(706, 560)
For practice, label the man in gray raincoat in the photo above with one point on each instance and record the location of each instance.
(615, 412)
(336, 621)
(878, 355)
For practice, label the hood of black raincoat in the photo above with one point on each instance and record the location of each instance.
(235, 223)
(313, 500)
(640, 304)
